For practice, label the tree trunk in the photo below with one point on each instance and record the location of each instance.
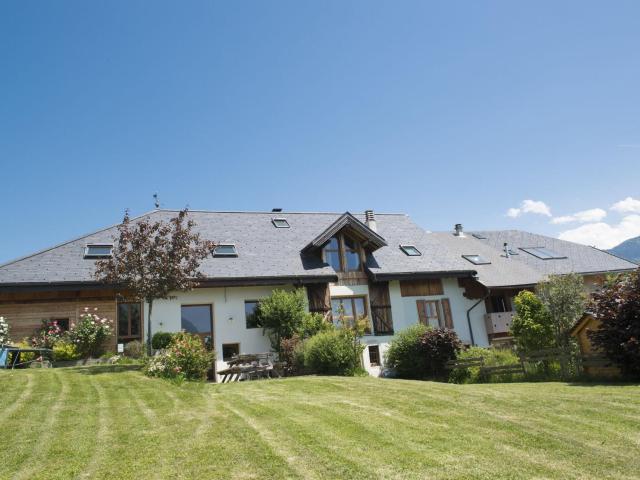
(150, 301)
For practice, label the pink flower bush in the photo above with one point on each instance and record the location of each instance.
(90, 333)
(185, 358)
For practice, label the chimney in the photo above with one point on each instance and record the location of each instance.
(370, 220)
(506, 250)
(458, 232)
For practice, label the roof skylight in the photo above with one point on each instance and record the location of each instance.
(280, 222)
(543, 253)
(225, 250)
(476, 259)
(479, 236)
(98, 250)
(410, 250)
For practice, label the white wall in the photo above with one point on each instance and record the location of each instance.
(405, 311)
(229, 324)
(229, 318)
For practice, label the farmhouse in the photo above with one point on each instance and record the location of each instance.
(382, 266)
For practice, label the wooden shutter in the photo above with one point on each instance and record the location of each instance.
(319, 297)
(422, 314)
(435, 286)
(421, 288)
(446, 310)
(380, 301)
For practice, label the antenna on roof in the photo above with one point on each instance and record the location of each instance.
(156, 202)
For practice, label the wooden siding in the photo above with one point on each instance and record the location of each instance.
(421, 288)
(25, 316)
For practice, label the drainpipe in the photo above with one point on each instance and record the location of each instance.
(473, 343)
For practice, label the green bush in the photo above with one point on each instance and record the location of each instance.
(331, 353)
(438, 346)
(404, 356)
(532, 325)
(161, 340)
(185, 358)
(65, 351)
(493, 357)
(134, 349)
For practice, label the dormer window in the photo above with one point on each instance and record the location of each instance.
(280, 222)
(225, 250)
(343, 254)
(410, 250)
(98, 250)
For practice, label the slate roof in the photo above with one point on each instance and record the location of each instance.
(266, 253)
(524, 268)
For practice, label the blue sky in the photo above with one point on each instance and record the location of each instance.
(452, 112)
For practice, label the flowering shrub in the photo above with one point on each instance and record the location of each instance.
(185, 358)
(64, 350)
(48, 335)
(4, 331)
(90, 333)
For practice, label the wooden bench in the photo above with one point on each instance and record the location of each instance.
(251, 366)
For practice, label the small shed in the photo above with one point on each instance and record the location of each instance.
(588, 323)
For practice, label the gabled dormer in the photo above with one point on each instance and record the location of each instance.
(345, 243)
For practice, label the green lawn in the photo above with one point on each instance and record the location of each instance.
(96, 423)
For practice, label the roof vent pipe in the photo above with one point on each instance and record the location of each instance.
(458, 232)
(506, 250)
(370, 220)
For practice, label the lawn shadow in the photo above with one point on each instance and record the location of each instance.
(100, 369)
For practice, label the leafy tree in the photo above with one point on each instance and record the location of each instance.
(565, 299)
(532, 326)
(617, 306)
(284, 314)
(152, 259)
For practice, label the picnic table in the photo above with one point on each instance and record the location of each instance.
(11, 356)
(251, 367)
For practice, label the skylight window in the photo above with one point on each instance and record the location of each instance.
(479, 236)
(543, 253)
(280, 222)
(476, 259)
(410, 250)
(95, 250)
(225, 250)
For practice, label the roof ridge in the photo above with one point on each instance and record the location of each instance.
(614, 255)
(280, 213)
(44, 250)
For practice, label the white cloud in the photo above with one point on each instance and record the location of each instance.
(530, 206)
(585, 216)
(628, 205)
(604, 235)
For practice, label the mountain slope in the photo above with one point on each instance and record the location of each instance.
(629, 249)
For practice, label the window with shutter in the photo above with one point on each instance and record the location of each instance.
(429, 313)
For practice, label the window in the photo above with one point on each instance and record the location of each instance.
(331, 253)
(374, 355)
(543, 253)
(351, 255)
(410, 250)
(95, 250)
(129, 321)
(280, 222)
(251, 313)
(229, 350)
(345, 309)
(225, 250)
(428, 313)
(435, 313)
(63, 323)
(476, 259)
(343, 254)
(198, 319)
